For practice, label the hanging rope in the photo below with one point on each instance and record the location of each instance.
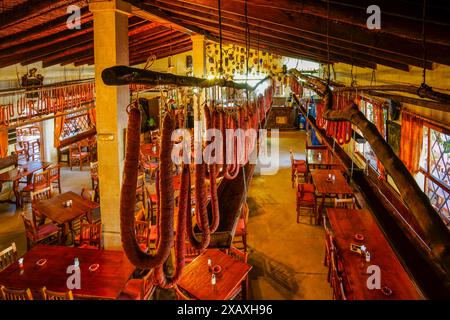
(328, 42)
(220, 38)
(424, 73)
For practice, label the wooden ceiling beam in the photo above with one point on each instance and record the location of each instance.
(257, 29)
(317, 26)
(51, 26)
(32, 8)
(342, 55)
(396, 19)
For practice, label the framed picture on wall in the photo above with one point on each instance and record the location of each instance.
(394, 136)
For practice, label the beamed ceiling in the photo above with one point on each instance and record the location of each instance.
(35, 30)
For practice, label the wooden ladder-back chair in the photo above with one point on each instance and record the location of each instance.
(54, 176)
(8, 256)
(306, 202)
(95, 180)
(76, 155)
(54, 295)
(144, 236)
(139, 289)
(48, 232)
(37, 196)
(90, 236)
(40, 181)
(15, 294)
(241, 229)
(336, 277)
(299, 169)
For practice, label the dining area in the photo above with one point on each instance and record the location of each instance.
(65, 256)
(361, 263)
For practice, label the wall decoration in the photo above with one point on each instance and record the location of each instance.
(393, 136)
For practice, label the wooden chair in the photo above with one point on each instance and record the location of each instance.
(54, 176)
(14, 294)
(139, 289)
(40, 181)
(336, 277)
(37, 196)
(76, 155)
(299, 169)
(140, 188)
(152, 203)
(306, 202)
(191, 253)
(241, 228)
(181, 295)
(8, 256)
(144, 236)
(238, 254)
(147, 165)
(48, 232)
(95, 180)
(345, 203)
(21, 153)
(54, 295)
(90, 236)
(35, 150)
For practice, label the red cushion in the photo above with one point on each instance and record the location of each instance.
(46, 230)
(301, 168)
(305, 197)
(299, 162)
(240, 229)
(132, 290)
(87, 246)
(307, 187)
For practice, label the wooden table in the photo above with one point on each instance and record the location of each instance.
(54, 209)
(196, 279)
(105, 283)
(325, 187)
(326, 158)
(14, 175)
(345, 223)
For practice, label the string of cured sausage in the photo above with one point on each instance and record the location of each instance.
(184, 209)
(212, 177)
(166, 193)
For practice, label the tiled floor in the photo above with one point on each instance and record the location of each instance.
(286, 256)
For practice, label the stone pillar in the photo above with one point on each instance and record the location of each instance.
(198, 56)
(110, 49)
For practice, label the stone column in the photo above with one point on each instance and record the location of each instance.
(110, 49)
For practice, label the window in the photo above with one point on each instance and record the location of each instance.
(434, 177)
(363, 149)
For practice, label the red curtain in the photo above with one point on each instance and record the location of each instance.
(411, 141)
(92, 116)
(379, 123)
(59, 125)
(3, 141)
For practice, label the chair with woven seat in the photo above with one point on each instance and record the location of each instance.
(40, 182)
(306, 202)
(76, 155)
(90, 236)
(54, 295)
(49, 232)
(241, 228)
(15, 294)
(345, 203)
(190, 252)
(139, 289)
(8, 256)
(54, 176)
(299, 169)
